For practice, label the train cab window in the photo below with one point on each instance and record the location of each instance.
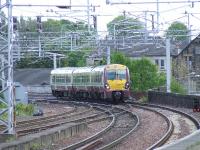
(111, 75)
(116, 75)
(121, 74)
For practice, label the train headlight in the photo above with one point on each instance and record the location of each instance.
(107, 86)
(127, 85)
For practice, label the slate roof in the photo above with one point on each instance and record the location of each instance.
(155, 49)
(37, 76)
(154, 46)
(197, 39)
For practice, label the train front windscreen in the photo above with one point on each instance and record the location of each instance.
(116, 74)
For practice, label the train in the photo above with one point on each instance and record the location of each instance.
(106, 82)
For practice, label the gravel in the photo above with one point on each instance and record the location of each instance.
(92, 129)
(152, 128)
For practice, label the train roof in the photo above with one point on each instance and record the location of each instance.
(70, 70)
(64, 70)
(82, 69)
(115, 66)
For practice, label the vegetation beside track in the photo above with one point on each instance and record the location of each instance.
(21, 109)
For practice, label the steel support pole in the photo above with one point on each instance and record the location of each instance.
(39, 45)
(158, 15)
(10, 71)
(71, 38)
(88, 14)
(108, 55)
(114, 37)
(2, 73)
(146, 34)
(54, 61)
(168, 64)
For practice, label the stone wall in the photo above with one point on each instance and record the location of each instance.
(176, 100)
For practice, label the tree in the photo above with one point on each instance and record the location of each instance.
(118, 58)
(75, 59)
(177, 31)
(124, 26)
(143, 73)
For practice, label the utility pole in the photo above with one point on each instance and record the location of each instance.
(168, 65)
(88, 14)
(124, 14)
(54, 61)
(71, 39)
(39, 44)
(2, 73)
(152, 18)
(39, 29)
(108, 54)
(114, 32)
(7, 70)
(146, 34)
(158, 15)
(189, 28)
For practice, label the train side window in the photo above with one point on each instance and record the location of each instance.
(57, 79)
(99, 77)
(92, 78)
(79, 78)
(67, 79)
(75, 79)
(83, 78)
(62, 79)
(53, 79)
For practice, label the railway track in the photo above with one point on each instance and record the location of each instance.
(183, 124)
(123, 123)
(119, 122)
(88, 114)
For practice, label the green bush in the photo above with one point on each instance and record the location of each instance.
(176, 87)
(22, 109)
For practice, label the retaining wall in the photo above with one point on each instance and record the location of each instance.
(176, 100)
(44, 138)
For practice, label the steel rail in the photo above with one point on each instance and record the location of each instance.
(79, 120)
(92, 138)
(99, 134)
(52, 117)
(117, 141)
(169, 132)
(195, 121)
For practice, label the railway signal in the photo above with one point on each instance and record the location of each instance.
(14, 24)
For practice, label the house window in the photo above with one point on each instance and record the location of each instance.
(190, 62)
(162, 64)
(157, 62)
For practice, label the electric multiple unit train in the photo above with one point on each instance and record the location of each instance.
(101, 82)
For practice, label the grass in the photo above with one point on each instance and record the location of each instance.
(20, 109)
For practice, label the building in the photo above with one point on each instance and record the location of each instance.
(187, 63)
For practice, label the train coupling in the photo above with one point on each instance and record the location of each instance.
(117, 94)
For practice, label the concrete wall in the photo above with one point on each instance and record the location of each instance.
(43, 138)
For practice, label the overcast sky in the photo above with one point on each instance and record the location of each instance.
(169, 12)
